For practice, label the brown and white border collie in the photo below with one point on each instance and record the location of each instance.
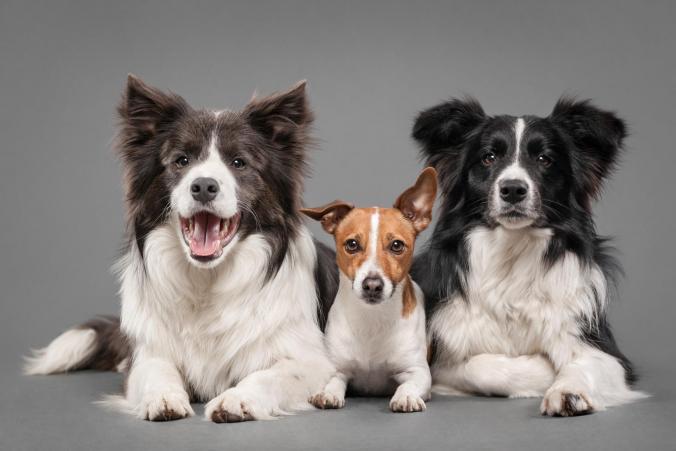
(219, 284)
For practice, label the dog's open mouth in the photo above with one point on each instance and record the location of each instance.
(207, 234)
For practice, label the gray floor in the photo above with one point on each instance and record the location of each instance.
(57, 413)
(371, 66)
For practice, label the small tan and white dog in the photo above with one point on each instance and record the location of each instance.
(375, 333)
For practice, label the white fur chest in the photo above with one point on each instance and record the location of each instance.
(371, 343)
(219, 325)
(516, 304)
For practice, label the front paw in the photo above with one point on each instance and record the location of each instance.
(327, 400)
(166, 406)
(566, 403)
(229, 407)
(404, 402)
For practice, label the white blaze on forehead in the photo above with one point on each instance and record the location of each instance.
(519, 127)
(213, 166)
(373, 237)
(515, 170)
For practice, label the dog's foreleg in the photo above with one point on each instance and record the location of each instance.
(495, 375)
(333, 395)
(284, 387)
(592, 380)
(413, 390)
(155, 390)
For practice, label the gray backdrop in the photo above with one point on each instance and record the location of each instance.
(371, 66)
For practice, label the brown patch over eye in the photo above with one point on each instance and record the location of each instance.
(395, 261)
(355, 226)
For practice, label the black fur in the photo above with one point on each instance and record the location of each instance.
(112, 346)
(582, 141)
(326, 278)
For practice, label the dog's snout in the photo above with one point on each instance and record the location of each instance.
(373, 286)
(204, 189)
(513, 191)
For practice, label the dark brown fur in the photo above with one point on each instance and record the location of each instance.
(270, 133)
(112, 346)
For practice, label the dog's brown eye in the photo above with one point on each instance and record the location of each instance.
(182, 161)
(545, 161)
(488, 159)
(397, 246)
(238, 163)
(352, 246)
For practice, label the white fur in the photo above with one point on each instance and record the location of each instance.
(518, 332)
(223, 332)
(225, 203)
(64, 353)
(515, 171)
(373, 345)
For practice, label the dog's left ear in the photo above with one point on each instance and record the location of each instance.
(597, 137)
(417, 202)
(330, 214)
(282, 118)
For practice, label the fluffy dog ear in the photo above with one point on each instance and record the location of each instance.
(283, 117)
(447, 124)
(442, 132)
(417, 202)
(330, 214)
(145, 110)
(596, 136)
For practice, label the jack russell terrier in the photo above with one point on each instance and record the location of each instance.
(375, 333)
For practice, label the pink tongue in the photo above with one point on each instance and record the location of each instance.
(205, 240)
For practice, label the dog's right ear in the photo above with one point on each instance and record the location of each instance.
(442, 132)
(330, 214)
(447, 125)
(146, 110)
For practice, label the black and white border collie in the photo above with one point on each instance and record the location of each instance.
(218, 285)
(516, 278)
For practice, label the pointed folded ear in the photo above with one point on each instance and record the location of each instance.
(330, 214)
(417, 202)
(283, 117)
(597, 137)
(145, 110)
(442, 132)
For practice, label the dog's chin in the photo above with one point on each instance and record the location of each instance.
(207, 237)
(514, 220)
(372, 300)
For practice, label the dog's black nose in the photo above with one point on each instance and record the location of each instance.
(513, 191)
(204, 189)
(373, 286)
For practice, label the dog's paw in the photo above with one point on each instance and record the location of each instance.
(405, 402)
(229, 407)
(327, 400)
(166, 406)
(566, 403)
